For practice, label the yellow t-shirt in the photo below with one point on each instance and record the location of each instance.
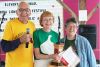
(21, 56)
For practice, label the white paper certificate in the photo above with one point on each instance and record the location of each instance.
(69, 57)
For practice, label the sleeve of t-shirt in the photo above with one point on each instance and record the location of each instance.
(8, 33)
(36, 39)
(7, 43)
(8, 46)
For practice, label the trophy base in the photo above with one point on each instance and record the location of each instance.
(55, 63)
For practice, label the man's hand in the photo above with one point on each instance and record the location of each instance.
(25, 38)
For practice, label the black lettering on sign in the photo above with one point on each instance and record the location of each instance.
(11, 4)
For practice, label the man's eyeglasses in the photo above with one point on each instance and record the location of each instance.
(26, 10)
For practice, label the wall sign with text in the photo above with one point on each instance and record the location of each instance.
(37, 7)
